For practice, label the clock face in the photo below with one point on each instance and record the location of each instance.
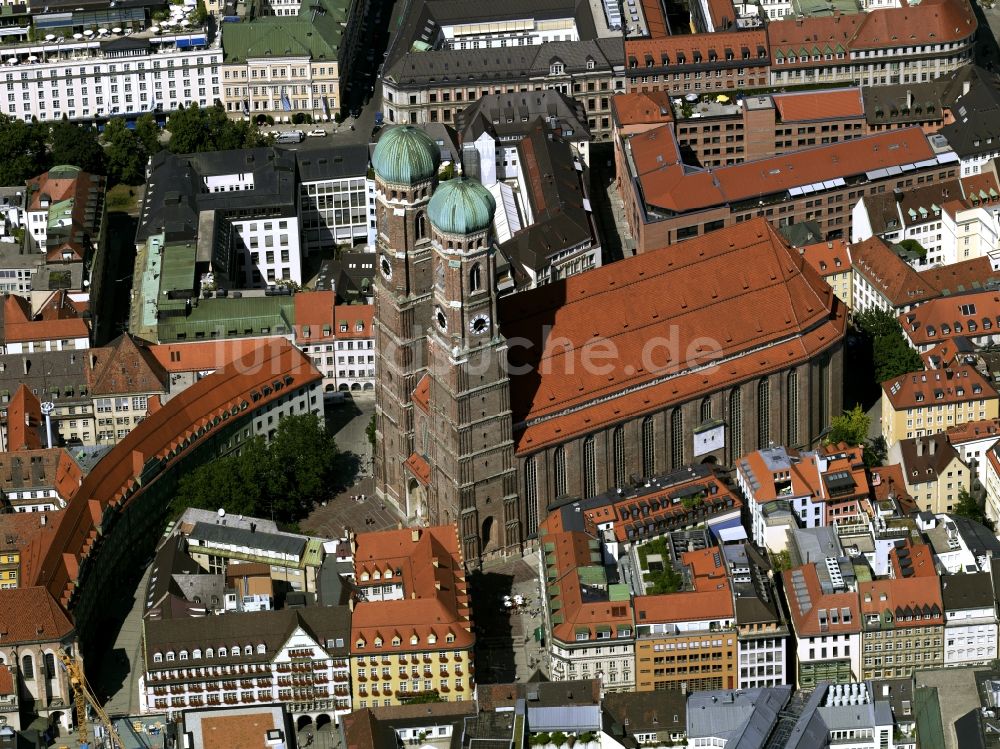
(479, 324)
(385, 266)
(441, 320)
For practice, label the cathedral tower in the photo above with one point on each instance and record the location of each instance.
(469, 444)
(405, 162)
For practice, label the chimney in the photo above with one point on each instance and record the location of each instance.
(44, 519)
(414, 534)
(137, 462)
(931, 444)
(966, 85)
(920, 447)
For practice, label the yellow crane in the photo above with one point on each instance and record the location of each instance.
(82, 695)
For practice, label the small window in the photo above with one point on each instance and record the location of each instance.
(261, 649)
(157, 657)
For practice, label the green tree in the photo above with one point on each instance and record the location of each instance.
(781, 561)
(125, 152)
(850, 427)
(236, 483)
(370, 432)
(195, 129)
(76, 145)
(303, 461)
(22, 150)
(148, 132)
(968, 507)
(891, 354)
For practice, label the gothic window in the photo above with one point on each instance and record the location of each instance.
(475, 282)
(735, 424)
(421, 226)
(28, 667)
(706, 409)
(531, 494)
(560, 471)
(618, 445)
(793, 408)
(677, 438)
(648, 451)
(50, 666)
(589, 468)
(763, 413)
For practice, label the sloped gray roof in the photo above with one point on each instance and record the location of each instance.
(283, 543)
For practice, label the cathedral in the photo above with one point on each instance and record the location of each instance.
(489, 411)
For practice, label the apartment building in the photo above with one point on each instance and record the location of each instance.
(413, 634)
(970, 619)
(883, 280)
(278, 64)
(819, 488)
(826, 620)
(972, 440)
(974, 316)
(336, 198)
(314, 332)
(973, 133)
(519, 47)
(18, 531)
(954, 221)
(666, 201)
(933, 470)
(295, 657)
(832, 260)
(588, 636)
(111, 76)
(925, 403)
(123, 378)
(55, 375)
(688, 640)
(354, 355)
(37, 480)
(903, 626)
(61, 328)
(855, 714)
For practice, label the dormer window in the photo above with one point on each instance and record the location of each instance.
(210, 653)
(590, 63)
(360, 644)
(378, 642)
(183, 655)
(414, 640)
(157, 657)
(557, 68)
(395, 642)
(248, 650)
(261, 649)
(432, 639)
(450, 637)
(170, 655)
(196, 654)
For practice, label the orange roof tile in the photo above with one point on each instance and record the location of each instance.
(238, 731)
(206, 356)
(920, 560)
(24, 417)
(940, 356)
(417, 465)
(160, 435)
(806, 473)
(908, 596)
(951, 316)
(422, 394)
(789, 36)
(809, 106)
(358, 318)
(124, 367)
(955, 384)
(828, 258)
(642, 108)
(649, 338)
(746, 45)
(436, 597)
(314, 312)
(41, 467)
(929, 22)
(890, 274)
(888, 481)
(973, 431)
(962, 276)
(29, 614)
(805, 611)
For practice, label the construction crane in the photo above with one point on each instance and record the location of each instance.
(82, 695)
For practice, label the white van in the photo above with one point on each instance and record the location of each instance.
(290, 136)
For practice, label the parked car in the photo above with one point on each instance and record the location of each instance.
(318, 133)
(290, 136)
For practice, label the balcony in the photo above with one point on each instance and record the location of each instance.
(247, 684)
(428, 658)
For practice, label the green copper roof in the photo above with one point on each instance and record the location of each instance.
(461, 206)
(405, 155)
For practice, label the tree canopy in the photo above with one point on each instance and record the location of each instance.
(281, 479)
(125, 152)
(195, 129)
(76, 144)
(968, 507)
(892, 355)
(22, 150)
(851, 428)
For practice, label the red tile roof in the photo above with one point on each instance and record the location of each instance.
(642, 108)
(20, 326)
(810, 106)
(29, 614)
(805, 611)
(950, 316)
(711, 597)
(956, 384)
(245, 731)
(24, 417)
(422, 394)
(828, 258)
(929, 22)
(888, 481)
(973, 431)
(821, 35)
(805, 477)
(87, 193)
(207, 356)
(963, 276)
(908, 596)
(889, 274)
(668, 185)
(160, 435)
(314, 311)
(743, 283)
(751, 42)
(358, 318)
(38, 468)
(920, 560)
(124, 367)
(19, 529)
(436, 597)
(418, 466)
